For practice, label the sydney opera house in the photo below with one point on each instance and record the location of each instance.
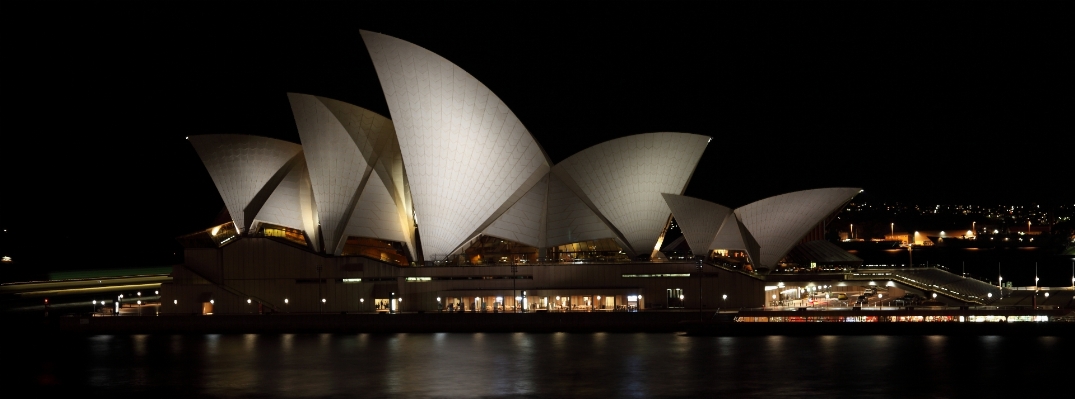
(450, 204)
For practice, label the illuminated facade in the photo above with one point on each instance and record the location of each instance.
(453, 202)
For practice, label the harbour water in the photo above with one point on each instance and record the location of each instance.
(537, 365)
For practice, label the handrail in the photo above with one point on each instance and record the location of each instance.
(927, 287)
(233, 291)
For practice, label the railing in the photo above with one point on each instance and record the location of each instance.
(1033, 288)
(926, 286)
(546, 262)
(234, 291)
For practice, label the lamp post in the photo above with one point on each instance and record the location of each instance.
(514, 269)
(439, 308)
(910, 251)
(892, 230)
(698, 264)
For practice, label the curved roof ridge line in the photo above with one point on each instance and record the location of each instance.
(241, 135)
(465, 151)
(629, 136)
(318, 96)
(540, 146)
(781, 221)
(802, 191)
(624, 177)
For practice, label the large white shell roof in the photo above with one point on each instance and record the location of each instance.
(240, 166)
(625, 177)
(779, 222)
(466, 153)
(343, 147)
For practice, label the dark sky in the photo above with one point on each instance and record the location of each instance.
(929, 102)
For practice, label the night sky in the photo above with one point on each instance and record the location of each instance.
(950, 102)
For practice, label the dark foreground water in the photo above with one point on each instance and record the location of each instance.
(537, 365)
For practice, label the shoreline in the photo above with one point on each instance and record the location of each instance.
(642, 322)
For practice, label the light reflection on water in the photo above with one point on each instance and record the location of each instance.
(539, 365)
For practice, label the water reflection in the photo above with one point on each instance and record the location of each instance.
(540, 365)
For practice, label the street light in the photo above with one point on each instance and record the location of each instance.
(1000, 281)
(698, 263)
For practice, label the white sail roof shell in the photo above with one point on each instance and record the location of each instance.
(335, 166)
(240, 166)
(624, 179)
(779, 222)
(283, 207)
(733, 235)
(570, 219)
(384, 208)
(465, 152)
(524, 222)
(375, 214)
(698, 219)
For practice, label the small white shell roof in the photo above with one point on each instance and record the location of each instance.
(465, 152)
(240, 165)
(625, 177)
(779, 222)
(336, 167)
(569, 219)
(698, 219)
(384, 208)
(283, 207)
(733, 235)
(352, 198)
(524, 222)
